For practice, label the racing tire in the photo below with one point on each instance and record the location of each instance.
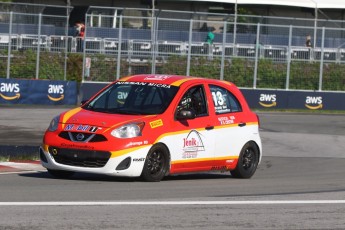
(156, 164)
(247, 162)
(60, 173)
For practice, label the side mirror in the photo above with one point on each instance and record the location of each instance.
(185, 114)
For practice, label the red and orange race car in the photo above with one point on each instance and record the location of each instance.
(156, 125)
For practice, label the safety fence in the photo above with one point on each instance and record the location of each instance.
(252, 54)
(264, 56)
(34, 41)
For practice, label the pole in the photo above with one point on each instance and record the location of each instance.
(287, 84)
(223, 53)
(118, 66)
(38, 46)
(235, 28)
(153, 66)
(9, 47)
(257, 50)
(315, 23)
(189, 47)
(321, 61)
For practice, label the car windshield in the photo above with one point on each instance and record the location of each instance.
(137, 98)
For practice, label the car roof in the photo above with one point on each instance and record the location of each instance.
(175, 80)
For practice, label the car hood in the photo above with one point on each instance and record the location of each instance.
(81, 116)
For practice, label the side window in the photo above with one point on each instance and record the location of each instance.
(194, 99)
(224, 101)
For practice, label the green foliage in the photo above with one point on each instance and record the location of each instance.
(103, 68)
(23, 64)
(304, 75)
(51, 66)
(3, 63)
(74, 67)
(239, 71)
(333, 77)
(174, 65)
(271, 74)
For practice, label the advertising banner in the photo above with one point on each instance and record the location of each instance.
(280, 99)
(40, 92)
(269, 99)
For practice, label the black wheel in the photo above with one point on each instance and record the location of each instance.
(60, 173)
(156, 164)
(247, 162)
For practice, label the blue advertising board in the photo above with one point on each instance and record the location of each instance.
(282, 99)
(262, 98)
(41, 92)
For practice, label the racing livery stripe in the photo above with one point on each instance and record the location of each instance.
(206, 165)
(252, 123)
(179, 82)
(68, 115)
(125, 78)
(226, 158)
(222, 159)
(191, 166)
(45, 148)
(226, 82)
(126, 151)
(193, 160)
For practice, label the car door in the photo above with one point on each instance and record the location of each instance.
(231, 133)
(192, 149)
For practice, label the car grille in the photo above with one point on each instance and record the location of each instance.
(82, 137)
(80, 158)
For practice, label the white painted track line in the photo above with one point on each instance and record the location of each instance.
(128, 203)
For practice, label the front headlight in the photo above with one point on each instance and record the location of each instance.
(54, 124)
(128, 130)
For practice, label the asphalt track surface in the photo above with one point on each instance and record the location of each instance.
(300, 184)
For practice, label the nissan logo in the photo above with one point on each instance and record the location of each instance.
(80, 137)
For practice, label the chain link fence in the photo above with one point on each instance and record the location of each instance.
(34, 41)
(252, 52)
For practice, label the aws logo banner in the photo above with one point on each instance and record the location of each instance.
(56, 92)
(9, 91)
(13, 91)
(268, 100)
(290, 99)
(313, 102)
